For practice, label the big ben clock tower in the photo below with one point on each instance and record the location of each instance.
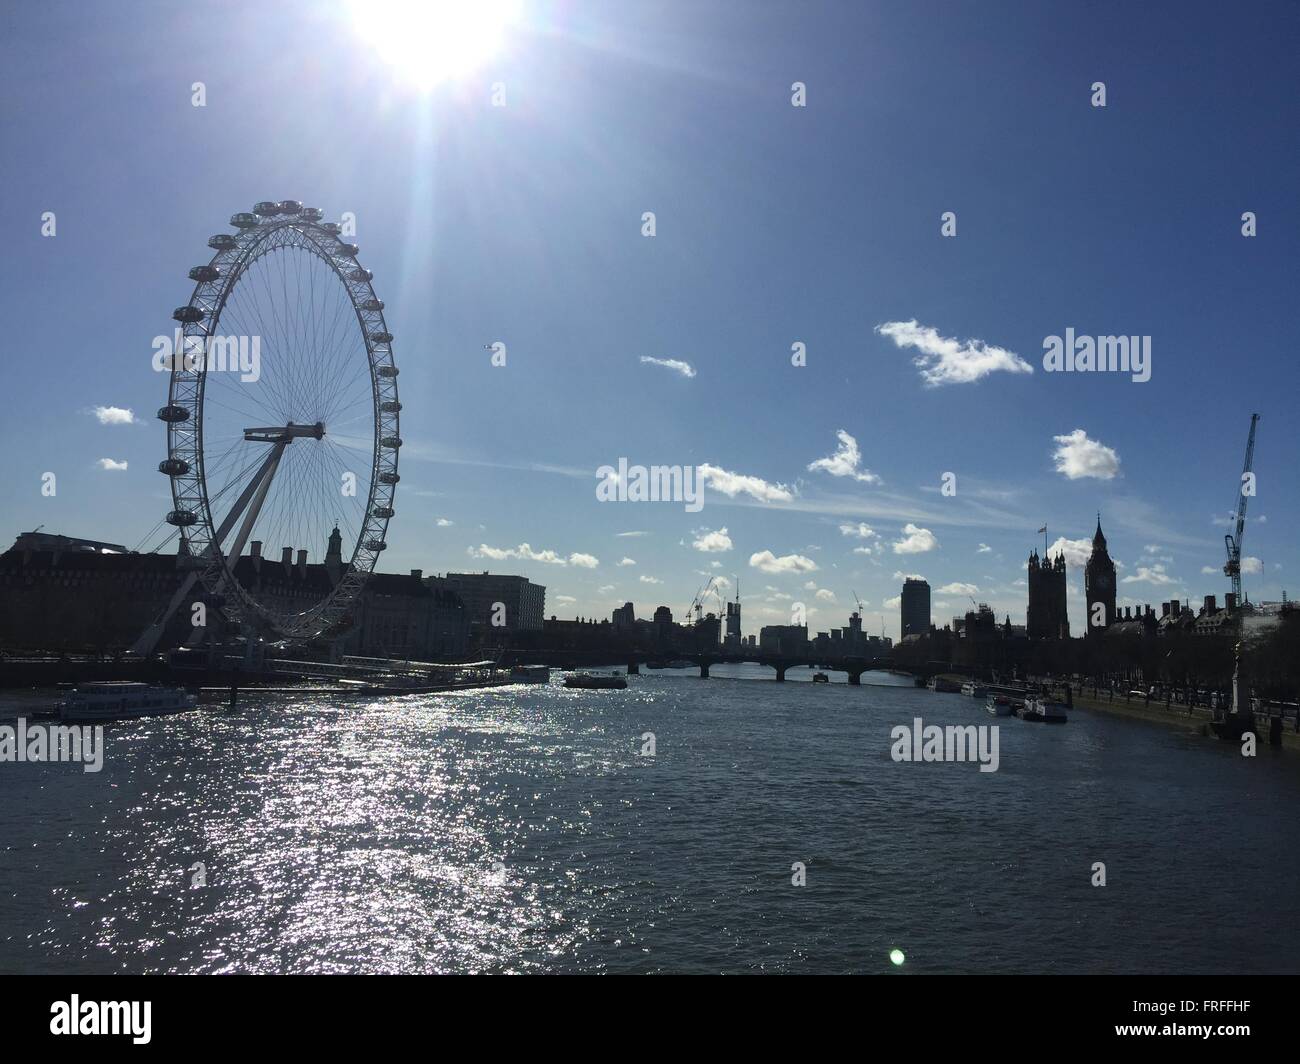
(1099, 584)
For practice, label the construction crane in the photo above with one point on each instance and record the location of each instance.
(861, 609)
(697, 603)
(1232, 569)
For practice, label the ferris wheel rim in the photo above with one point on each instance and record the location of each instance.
(260, 234)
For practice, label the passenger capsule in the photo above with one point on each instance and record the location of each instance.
(383, 511)
(223, 242)
(373, 304)
(349, 250)
(291, 206)
(174, 467)
(333, 228)
(361, 275)
(204, 273)
(387, 371)
(266, 208)
(187, 314)
(312, 214)
(392, 442)
(381, 337)
(390, 406)
(388, 477)
(376, 544)
(182, 518)
(173, 414)
(244, 220)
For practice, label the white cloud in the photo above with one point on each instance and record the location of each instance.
(1153, 574)
(915, 540)
(605, 589)
(674, 364)
(713, 542)
(565, 600)
(858, 531)
(1077, 551)
(900, 575)
(114, 415)
(649, 579)
(943, 360)
(958, 588)
(733, 484)
(1078, 456)
(626, 562)
(768, 562)
(624, 535)
(845, 461)
(109, 463)
(1249, 566)
(524, 552)
(984, 548)
(1208, 570)
(825, 595)
(444, 523)
(893, 603)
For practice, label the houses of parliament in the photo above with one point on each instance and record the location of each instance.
(1048, 613)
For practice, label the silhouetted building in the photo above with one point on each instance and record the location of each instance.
(505, 603)
(1099, 584)
(915, 607)
(1048, 615)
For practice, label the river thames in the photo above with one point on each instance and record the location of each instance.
(523, 829)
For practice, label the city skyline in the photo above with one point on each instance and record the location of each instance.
(824, 479)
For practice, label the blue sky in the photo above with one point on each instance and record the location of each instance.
(774, 225)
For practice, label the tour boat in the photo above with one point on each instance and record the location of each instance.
(974, 690)
(1042, 711)
(531, 674)
(942, 685)
(594, 680)
(123, 699)
(820, 677)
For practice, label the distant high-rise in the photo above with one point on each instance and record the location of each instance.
(915, 608)
(1047, 616)
(1099, 584)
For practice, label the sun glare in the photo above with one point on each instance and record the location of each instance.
(427, 42)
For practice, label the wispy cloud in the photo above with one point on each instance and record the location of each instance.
(111, 464)
(845, 461)
(733, 484)
(674, 364)
(524, 552)
(944, 360)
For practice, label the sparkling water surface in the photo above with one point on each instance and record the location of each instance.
(521, 829)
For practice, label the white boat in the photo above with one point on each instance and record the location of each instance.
(1042, 711)
(531, 674)
(999, 706)
(974, 690)
(123, 699)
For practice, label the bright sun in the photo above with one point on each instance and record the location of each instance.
(431, 41)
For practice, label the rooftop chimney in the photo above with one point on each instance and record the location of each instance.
(1229, 601)
(255, 549)
(1210, 606)
(302, 563)
(1164, 609)
(286, 559)
(417, 573)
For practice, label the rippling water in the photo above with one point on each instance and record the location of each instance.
(522, 829)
